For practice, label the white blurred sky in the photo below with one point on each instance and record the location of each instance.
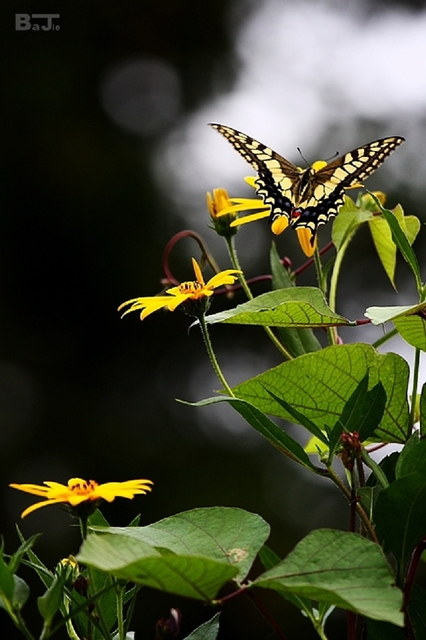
(306, 69)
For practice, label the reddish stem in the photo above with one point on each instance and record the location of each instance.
(308, 263)
(205, 252)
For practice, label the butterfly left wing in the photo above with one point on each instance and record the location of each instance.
(278, 179)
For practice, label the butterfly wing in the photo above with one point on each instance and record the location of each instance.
(324, 192)
(307, 197)
(278, 179)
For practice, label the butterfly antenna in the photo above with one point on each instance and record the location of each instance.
(302, 156)
(335, 154)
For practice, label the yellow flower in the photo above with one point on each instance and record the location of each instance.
(230, 207)
(68, 570)
(79, 491)
(193, 295)
(223, 210)
(222, 223)
(221, 205)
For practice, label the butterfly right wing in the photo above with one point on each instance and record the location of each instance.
(278, 180)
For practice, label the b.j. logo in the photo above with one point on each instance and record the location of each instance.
(37, 22)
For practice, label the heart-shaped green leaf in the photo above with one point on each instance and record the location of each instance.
(341, 569)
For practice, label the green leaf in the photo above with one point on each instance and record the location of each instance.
(408, 320)
(223, 534)
(206, 631)
(423, 411)
(400, 515)
(45, 575)
(300, 418)
(412, 458)
(132, 560)
(385, 246)
(413, 330)
(297, 307)
(107, 601)
(382, 237)
(21, 592)
(367, 496)
(23, 549)
(341, 569)
(49, 603)
(319, 385)
(7, 584)
(379, 315)
(268, 558)
(192, 554)
(19, 597)
(364, 410)
(296, 341)
(274, 434)
(401, 241)
(281, 278)
(347, 222)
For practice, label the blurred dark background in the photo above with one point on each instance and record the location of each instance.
(86, 110)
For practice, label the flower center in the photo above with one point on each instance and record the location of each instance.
(82, 487)
(190, 287)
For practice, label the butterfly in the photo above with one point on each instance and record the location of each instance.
(306, 198)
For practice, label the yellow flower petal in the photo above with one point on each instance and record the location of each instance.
(38, 505)
(251, 180)
(245, 204)
(222, 278)
(148, 305)
(197, 271)
(279, 225)
(128, 489)
(251, 218)
(219, 201)
(304, 235)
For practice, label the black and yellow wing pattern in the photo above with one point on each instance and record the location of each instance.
(307, 197)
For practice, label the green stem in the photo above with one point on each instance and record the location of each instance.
(414, 392)
(83, 527)
(375, 468)
(90, 575)
(317, 623)
(384, 338)
(131, 607)
(359, 509)
(336, 273)
(71, 632)
(320, 631)
(236, 264)
(332, 334)
(212, 356)
(119, 591)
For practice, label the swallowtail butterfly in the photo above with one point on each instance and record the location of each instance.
(307, 197)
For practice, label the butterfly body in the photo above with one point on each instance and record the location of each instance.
(307, 197)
